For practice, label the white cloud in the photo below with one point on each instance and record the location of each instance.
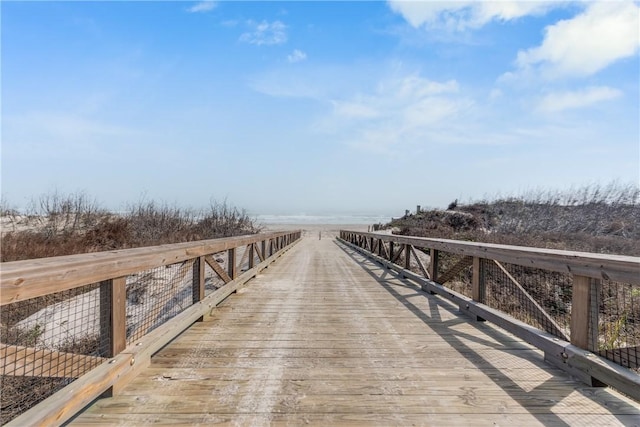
(407, 109)
(203, 6)
(265, 33)
(603, 34)
(296, 56)
(560, 101)
(462, 15)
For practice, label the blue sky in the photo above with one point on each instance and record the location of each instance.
(317, 107)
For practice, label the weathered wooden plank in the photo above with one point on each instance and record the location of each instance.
(373, 418)
(467, 403)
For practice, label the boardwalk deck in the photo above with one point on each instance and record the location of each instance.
(326, 337)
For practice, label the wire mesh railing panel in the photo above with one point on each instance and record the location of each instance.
(454, 272)
(537, 297)
(618, 320)
(156, 295)
(47, 342)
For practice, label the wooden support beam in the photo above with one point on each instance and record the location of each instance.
(397, 254)
(217, 268)
(556, 329)
(425, 272)
(455, 270)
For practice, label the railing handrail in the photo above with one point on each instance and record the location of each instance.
(21, 280)
(621, 268)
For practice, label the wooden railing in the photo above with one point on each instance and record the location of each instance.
(77, 327)
(581, 309)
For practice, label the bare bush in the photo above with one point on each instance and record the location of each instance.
(594, 218)
(70, 224)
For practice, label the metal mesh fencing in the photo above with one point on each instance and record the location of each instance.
(47, 342)
(537, 297)
(156, 295)
(454, 272)
(616, 308)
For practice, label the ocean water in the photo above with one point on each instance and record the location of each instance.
(322, 219)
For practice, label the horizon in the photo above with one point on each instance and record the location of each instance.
(317, 108)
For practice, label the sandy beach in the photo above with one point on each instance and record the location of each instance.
(326, 230)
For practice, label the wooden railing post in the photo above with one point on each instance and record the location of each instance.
(407, 257)
(231, 263)
(594, 314)
(251, 255)
(198, 281)
(433, 265)
(391, 251)
(478, 289)
(580, 310)
(263, 246)
(113, 315)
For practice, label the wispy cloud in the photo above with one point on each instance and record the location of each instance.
(265, 33)
(463, 15)
(296, 56)
(560, 101)
(203, 6)
(405, 109)
(603, 34)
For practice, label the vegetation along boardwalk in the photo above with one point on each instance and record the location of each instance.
(326, 336)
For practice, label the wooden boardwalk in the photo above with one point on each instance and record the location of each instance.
(324, 336)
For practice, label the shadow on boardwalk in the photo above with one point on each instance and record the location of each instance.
(391, 281)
